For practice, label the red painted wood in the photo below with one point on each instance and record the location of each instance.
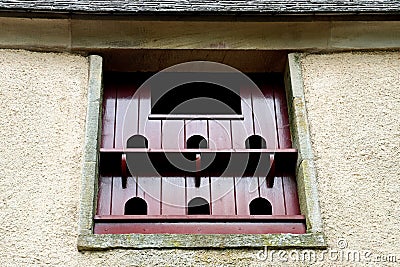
(170, 135)
(246, 190)
(149, 189)
(291, 197)
(198, 218)
(151, 129)
(288, 182)
(264, 115)
(104, 195)
(198, 167)
(108, 119)
(219, 134)
(196, 127)
(173, 196)
(202, 191)
(172, 132)
(125, 119)
(284, 137)
(282, 117)
(241, 129)
(124, 170)
(223, 196)
(273, 195)
(199, 228)
(286, 153)
(121, 195)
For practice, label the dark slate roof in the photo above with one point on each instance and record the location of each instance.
(230, 6)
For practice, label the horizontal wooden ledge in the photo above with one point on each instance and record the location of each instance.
(194, 218)
(197, 224)
(195, 117)
(202, 150)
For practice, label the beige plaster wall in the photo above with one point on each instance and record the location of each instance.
(43, 105)
(353, 103)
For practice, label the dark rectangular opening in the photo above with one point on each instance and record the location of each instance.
(195, 95)
(197, 98)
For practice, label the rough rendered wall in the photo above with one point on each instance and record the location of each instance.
(353, 104)
(43, 106)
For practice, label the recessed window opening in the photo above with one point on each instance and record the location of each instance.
(136, 206)
(196, 141)
(196, 98)
(260, 206)
(255, 142)
(198, 206)
(178, 161)
(137, 141)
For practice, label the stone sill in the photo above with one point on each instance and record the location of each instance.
(173, 241)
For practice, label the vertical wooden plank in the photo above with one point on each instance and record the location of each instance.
(130, 118)
(173, 196)
(223, 196)
(126, 116)
(264, 115)
(219, 134)
(241, 129)
(288, 182)
(121, 195)
(285, 140)
(202, 191)
(173, 134)
(282, 117)
(246, 191)
(291, 197)
(151, 129)
(109, 102)
(104, 195)
(149, 188)
(196, 127)
(273, 195)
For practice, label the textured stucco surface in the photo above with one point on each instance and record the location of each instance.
(43, 106)
(353, 106)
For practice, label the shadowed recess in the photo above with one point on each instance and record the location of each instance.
(136, 206)
(255, 142)
(137, 141)
(260, 206)
(196, 141)
(197, 206)
(197, 98)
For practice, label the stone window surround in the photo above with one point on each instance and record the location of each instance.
(305, 175)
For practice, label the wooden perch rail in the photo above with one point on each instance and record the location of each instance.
(200, 162)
